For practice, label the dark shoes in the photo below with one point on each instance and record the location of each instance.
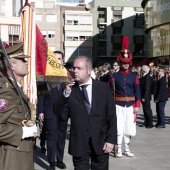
(52, 166)
(160, 126)
(43, 149)
(149, 126)
(61, 165)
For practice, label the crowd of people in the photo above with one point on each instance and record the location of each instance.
(102, 105)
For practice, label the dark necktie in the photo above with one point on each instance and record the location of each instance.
(85, 97)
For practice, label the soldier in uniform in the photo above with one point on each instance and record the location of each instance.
(16, 140)
(127, 99)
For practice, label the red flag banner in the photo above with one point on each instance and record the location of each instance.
(48, 67)
(43, 63)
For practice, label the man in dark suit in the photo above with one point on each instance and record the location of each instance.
(160, 98)
(93, 130)
(105, 77)
(146, 89)
(55, 125)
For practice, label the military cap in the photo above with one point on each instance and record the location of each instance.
(15, 51)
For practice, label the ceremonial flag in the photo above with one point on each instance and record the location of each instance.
(43, 65)
(28, 37)
(48, 67)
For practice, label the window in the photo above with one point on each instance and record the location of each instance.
(51, 34)
(51, 18)
(78, 19)
(78, 36)
(71, 19)
(71, 36)
(101, 14)
(69, 22)
(85, 20)
(85, 35)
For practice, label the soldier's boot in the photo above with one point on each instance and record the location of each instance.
(119, 151)
(127, 150)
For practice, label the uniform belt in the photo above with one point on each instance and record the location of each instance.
(124, 99)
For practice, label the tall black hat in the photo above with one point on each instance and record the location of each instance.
(124, 55)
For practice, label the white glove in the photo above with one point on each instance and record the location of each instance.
(29, 131)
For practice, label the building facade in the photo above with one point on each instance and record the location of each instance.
(114, 19)
(82, 27)
(10, 22)
(77, 32)
(157, 26)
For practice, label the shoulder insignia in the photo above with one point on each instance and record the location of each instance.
(3, 104)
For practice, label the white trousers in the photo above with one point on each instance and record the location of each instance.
(125, 121)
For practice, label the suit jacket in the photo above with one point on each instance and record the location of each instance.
(146, 83)
(100, 125)
(46, 103)
(161, 93)
(105, 77)
(11, 116)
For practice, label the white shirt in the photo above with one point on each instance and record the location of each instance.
(88, 88)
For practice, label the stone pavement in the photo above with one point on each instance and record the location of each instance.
(150, 146)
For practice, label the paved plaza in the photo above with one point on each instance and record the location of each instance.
(150, 146)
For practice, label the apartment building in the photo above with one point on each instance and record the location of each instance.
(10, 22)
(67, 26)
(114, 19)
(157, 27)
(77, 32)
(83, 27)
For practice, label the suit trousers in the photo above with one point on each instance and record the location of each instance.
(98, 162)
(147, 111)
(56, 134)
(160, 110)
